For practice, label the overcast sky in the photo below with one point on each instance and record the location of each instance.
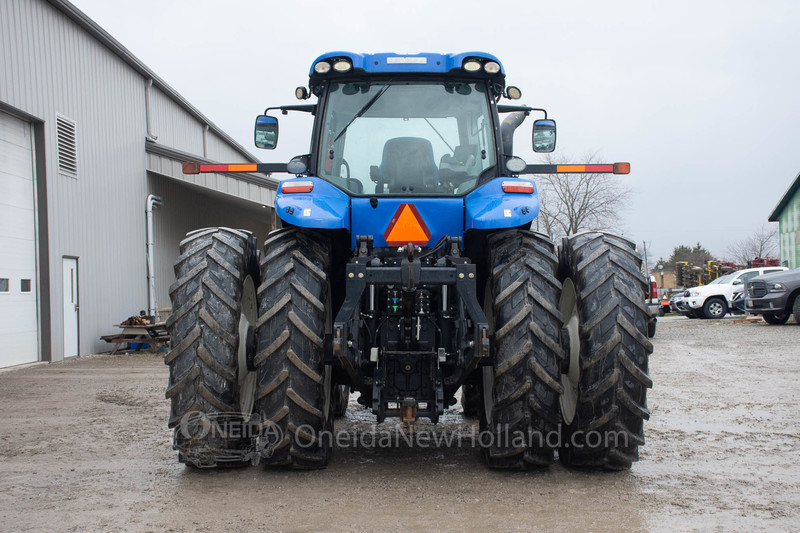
(703, 98)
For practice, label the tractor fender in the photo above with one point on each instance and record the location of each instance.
(489, 207)
(325, 207)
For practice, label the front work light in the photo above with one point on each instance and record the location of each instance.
(323, 67)
(492, 67)
(472, 66)
(342, 66)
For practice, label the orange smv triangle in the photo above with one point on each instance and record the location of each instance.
(406, 227)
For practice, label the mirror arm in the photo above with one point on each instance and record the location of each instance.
(526, 109)
(284, 109)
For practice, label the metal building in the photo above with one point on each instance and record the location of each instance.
(89, 138)
(787, 214)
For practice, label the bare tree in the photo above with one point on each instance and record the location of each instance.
(571, 203)
(762, 243)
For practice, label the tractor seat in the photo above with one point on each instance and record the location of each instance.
(408, 165)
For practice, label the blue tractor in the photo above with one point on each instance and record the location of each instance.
(405, 271)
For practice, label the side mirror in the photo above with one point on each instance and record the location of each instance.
(544, 135)
(266, 132)
(737, 282)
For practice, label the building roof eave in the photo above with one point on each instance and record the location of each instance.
(793, 188)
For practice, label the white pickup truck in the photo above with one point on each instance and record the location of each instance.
(714, 300)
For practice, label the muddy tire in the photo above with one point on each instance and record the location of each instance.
(217, 272)
(521, 391)
(776, 319)
(293, 393)
(796, 309)
(611, 388)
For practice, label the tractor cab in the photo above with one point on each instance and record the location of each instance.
(425, 126)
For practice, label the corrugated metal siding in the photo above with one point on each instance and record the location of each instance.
(50, 64)
(219, 150)
(174, 126)
(185, 208)
(58, 68)
(789, 221)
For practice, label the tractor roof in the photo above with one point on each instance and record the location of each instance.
(347, 64)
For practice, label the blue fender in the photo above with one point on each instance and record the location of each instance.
(328, 207)
(325, 207)
(489, 207)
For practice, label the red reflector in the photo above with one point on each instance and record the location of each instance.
(191, 168)
(622, 168)
(524, 187)
(292, 187)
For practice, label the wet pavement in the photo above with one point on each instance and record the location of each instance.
(84, 446)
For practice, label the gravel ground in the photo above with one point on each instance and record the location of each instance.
(84, 446)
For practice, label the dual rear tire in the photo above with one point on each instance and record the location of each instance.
(210, 387)
(247, 377)
(571, 352)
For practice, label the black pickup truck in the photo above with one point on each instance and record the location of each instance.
(775, 296)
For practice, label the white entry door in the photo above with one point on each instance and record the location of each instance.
(70, 285)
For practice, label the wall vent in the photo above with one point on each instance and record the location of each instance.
(67, 144)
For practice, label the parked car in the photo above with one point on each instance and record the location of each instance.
(775, 296)
(714, 299)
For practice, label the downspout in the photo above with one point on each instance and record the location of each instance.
(152, 202)
(147, 117)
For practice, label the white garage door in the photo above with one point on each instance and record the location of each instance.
(18, 322)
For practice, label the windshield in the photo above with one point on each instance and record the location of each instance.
(401, 138)
(723, 279)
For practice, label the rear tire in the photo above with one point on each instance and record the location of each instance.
(294, 391)
(522, 389)
(217, 272)
(340, 399)
(715, 308)
(796, 309)
(611, 381)
(776, 319)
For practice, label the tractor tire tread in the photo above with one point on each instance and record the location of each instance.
(203, 361)
(614, 352)
(527, 349)
(289, 359)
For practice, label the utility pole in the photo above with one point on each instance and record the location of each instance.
(646, 269)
